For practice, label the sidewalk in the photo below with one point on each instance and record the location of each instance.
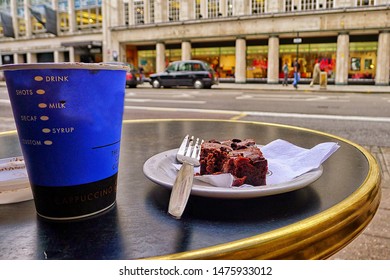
(367, 89)
(306, 88)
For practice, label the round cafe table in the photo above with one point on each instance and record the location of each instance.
(313, 222)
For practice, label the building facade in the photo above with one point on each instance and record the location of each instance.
(244, 40)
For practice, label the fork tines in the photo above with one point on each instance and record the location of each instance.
(190, 148)
(183, 147)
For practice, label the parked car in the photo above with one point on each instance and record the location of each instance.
(193, 73)
(131, 75)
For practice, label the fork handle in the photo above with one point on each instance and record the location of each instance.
(181, 190)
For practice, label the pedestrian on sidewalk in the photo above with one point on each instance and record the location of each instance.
(141, 74)
(297, 75)
(285, 73)
(316, 74)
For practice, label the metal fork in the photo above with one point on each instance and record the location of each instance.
(188, 154)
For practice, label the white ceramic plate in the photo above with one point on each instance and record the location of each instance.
(159, 169)
(14, 183)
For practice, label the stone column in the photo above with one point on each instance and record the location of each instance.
(18, 58)
(160, 57)
(59, 56)
(240, 70)
(383, 59)
(122, 51)
(273, 60)
(71, 54)
(31, 57)
(185, 50)
(342, 59)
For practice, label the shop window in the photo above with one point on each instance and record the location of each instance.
(172, 55)
(308, 55)
(362, 60)
(45, 57)
(7, 59)
(173, 10)
(258, 6)
(221, 59)
(257, 62)
(146, 59)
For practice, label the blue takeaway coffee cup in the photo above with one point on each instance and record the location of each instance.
(69, 120)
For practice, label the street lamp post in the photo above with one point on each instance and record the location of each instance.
(297, 40)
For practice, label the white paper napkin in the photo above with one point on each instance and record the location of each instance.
(14, 183)
(288, 161)
(285, 160)
(12, 169)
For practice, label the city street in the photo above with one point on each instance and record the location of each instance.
(360, 117)
(363, 118)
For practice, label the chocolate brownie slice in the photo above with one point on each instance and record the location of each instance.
(243, 159)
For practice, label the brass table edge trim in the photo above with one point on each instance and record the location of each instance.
(8, 132)
(335, 227)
